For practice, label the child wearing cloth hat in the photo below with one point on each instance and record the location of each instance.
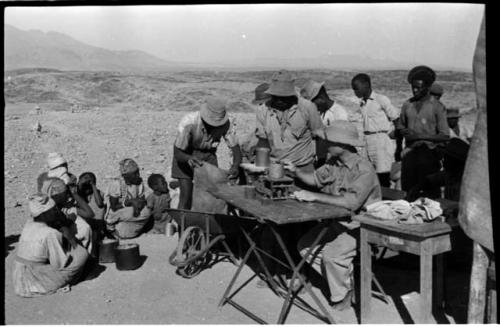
(127, 215)
(158, 202)
(198, 137)
(423, 125)
(346, 180)
(44, 261)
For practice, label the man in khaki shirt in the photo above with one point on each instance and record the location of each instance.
(346, 180)
(288, 124)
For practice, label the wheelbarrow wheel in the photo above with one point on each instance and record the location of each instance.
(190, 255)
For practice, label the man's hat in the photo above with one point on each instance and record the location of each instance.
(436, 89)
(456, 148)
(452, 113)
(40, 203)
(213, 111)
(423, 73)
(55, 159)
(311, 89)
(260, 94)
(343, 132)
(282, 84)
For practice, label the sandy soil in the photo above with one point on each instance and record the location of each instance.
(95, 140)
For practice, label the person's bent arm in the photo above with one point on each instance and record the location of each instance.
(183, 156)
(115, 204)
(97, 196)
(83, 209)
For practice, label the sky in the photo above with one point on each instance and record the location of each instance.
(434, 33)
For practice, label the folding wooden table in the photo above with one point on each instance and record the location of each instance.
(270, 214)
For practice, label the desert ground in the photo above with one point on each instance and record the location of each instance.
(97, 118)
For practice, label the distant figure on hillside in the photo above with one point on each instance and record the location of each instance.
(198, 136)
(457, 128)
(423, 125)
(378, 114)
(329, 110)
(127, 215)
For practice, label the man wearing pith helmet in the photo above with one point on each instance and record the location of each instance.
(286, 124)
(423, 125)
(198, 136)
(346, 180)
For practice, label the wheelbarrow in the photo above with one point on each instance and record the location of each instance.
(203, 240)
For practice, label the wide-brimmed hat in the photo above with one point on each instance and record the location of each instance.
(40, 203)
(343, 132)
(452, 113)
(423, 73)
(128, 166)
(213, 111)
(282, 84)
(311, 89)
(436, 89)
(55, 159)
(260, 94)
(456, 148)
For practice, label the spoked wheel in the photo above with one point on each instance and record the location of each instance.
(191, 252)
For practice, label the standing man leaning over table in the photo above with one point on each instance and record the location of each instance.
(346, 180)
(423, 125)
(288, 124)
(198, 136)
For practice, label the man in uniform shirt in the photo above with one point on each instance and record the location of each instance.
(328, 109)
(423, 125)
(346, 180)
(198, 136)
(288, 124)
(378, 114)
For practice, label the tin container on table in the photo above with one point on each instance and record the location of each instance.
(276, 170)
(262, 158)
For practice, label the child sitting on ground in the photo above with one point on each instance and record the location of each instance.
(158, 202)
(87, 189)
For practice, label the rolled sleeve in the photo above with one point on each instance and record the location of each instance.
(230, 137)
(391, 111)
(323, 176)
(260, 121)
(183, 138)
(359, 190)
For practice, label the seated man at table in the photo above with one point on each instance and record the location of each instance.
(345, 180)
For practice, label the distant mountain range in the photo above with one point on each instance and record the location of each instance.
(37, 49)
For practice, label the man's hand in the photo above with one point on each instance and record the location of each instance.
(195, 162)
(288, 165)
(407, 132)
(233, 172)
(138, 205)
(304, 195)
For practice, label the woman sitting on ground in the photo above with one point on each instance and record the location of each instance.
(88, 191)
(45, 261)
(58, 168)
(128, 213)
(74, 208)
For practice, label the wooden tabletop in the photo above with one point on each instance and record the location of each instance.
(278, 211)
(423, 230)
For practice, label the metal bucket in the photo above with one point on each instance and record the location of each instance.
(262, 158)
(107, 248)
(127, 256)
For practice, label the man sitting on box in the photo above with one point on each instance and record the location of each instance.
(346, 180)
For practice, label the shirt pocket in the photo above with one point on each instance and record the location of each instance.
(298, 129)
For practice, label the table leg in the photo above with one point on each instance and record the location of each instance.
(438, 299)
(296, 274)
(425, 281)
(366, 275)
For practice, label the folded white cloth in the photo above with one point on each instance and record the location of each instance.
(420, 211)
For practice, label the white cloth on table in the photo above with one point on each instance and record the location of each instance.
(420, 211)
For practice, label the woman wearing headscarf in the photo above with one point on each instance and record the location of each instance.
(45, 260)
(58, 168)
(128, 214)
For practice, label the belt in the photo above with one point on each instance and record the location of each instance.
(29, 262)
(372, 133)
